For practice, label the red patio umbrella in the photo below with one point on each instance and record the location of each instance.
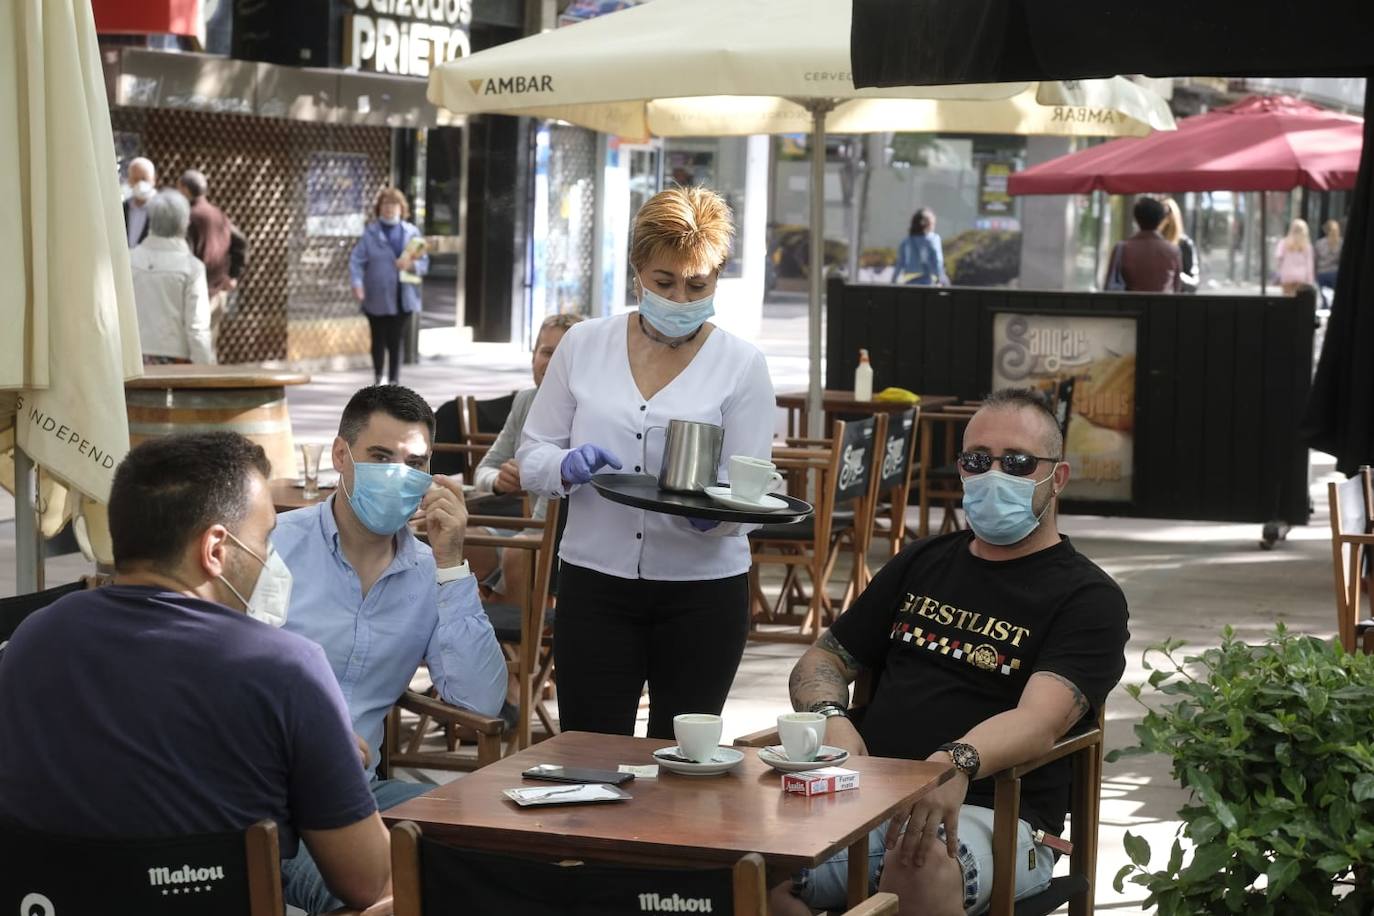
(1263, 143)
(1273, 143)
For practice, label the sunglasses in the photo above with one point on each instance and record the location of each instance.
(1013, 463)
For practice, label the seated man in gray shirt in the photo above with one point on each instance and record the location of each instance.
(498, 473)
(170, 703)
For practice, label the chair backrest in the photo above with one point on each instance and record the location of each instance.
(1352, 538)
(470, 424)
(898, 445)
(221, 874)
(427, 877)
(857, 448)
(448, 430)
(486, 417)
(14, 610)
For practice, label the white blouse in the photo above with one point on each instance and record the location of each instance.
(589, 396)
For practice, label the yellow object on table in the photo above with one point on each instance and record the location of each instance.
(898, 396)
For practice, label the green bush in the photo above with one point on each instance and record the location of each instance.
(1276, 744)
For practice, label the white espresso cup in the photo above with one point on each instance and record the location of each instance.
(697, 734)
(751, 477)
(802, 734)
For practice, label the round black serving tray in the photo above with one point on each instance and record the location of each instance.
(641, 491)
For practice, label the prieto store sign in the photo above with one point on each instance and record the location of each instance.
(407, 37)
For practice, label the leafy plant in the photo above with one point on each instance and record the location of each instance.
(1276, 744)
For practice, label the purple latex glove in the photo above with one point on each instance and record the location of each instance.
(582, 462)
(702, 524)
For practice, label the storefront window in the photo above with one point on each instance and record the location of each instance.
(715, 163)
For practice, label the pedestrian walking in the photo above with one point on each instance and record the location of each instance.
(141, 176)
(1328, 249)
(1145, 262)
(1294, 260)
(921, 256)
(219, 245)
(169, 287)
(385, 268)
(1190, 270)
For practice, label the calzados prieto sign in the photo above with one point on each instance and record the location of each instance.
(407, 37)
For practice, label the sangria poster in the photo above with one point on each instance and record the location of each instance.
(1098, 355)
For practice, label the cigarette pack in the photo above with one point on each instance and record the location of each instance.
(820, 781)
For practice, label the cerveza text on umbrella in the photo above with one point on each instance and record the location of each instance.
(50, 425)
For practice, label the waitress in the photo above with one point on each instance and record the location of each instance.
(644, 596)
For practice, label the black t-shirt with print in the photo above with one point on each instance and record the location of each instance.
(956, 637)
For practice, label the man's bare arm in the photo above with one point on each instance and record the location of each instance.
(824, 673)
(355, 861)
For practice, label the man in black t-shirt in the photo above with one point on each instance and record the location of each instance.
(986, 646)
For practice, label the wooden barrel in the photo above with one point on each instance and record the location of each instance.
(162, 404)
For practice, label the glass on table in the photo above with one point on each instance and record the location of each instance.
(310, 454)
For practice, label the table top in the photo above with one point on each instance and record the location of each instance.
(246, 375)
(671, 819)
(836, 401)
(286, 495)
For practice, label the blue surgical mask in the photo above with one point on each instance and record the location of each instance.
(675, 319)
(385, 496)
(999, 508)
(388, 222)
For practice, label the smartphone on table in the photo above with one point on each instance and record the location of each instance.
(553, 772)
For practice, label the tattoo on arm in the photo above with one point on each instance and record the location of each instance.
(823, 673)
(1080, 702)
(830, 644)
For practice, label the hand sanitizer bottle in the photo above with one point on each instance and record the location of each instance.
(863, 379)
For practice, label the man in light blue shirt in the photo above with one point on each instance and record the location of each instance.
(378, 600)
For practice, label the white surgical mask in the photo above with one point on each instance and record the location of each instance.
(271, 598)
(142, 191)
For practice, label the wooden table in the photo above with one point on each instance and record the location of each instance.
(673, 820)
(245, 399)
(834, 402)
(287, 496)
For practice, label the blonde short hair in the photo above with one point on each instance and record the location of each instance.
(692, 226)
(390, 195)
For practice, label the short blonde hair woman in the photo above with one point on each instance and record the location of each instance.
(1294, 260)
(645, 596)
(1189, 273)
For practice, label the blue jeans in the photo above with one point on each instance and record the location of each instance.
(301, 883)
(827, 885)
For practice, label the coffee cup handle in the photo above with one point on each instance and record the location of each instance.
(813, 744)
(774, 480)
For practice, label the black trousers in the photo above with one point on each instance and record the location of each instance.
(612, 634)
(387, 331)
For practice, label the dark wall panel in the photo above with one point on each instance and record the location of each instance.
(1220, 383)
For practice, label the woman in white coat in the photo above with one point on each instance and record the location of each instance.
(645, 596)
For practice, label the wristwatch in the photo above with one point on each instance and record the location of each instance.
(964, 756)
(829, 708)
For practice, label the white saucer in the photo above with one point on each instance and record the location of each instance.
(783, 765)
(725, 760)
(765, 503)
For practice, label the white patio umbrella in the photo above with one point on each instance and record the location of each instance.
(733, 67)
(66, 300)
